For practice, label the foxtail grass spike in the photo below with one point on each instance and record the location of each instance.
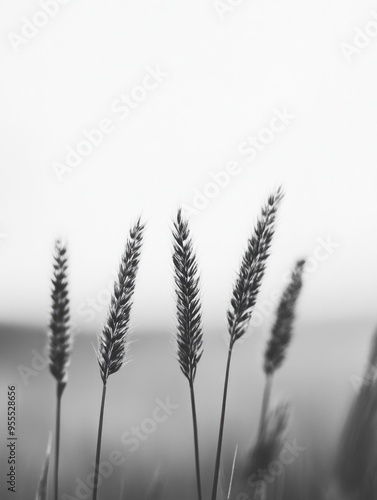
(59, 331)
(281, 333)
(252, 269)
(244, 297)
(59, 341)
(190, 333)
(280, 338)
(113, 346)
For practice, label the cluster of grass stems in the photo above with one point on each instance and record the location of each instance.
(113, 348)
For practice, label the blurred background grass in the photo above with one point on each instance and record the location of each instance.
(318, 379)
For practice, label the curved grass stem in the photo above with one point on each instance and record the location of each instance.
(59, 393)
(265, 405)
(99, 441)
(196, 440)
(221, 430)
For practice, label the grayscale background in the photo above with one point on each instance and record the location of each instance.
(180, 92)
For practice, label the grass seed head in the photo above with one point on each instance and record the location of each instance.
(59, 329)
(113, 346)
(281, 333)
(190, 333)
(252, 269)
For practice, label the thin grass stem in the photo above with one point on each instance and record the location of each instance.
(99, 441)
(265, 405)
(59, 393)
(196, 440)
(222, 420)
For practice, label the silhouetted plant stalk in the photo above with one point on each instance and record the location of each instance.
(281, 335)
(113, 342)
(190, 333)
(356, 462)
(244, 297)
(59, 341)
(266, 449)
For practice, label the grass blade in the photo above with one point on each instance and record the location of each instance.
(43, 481)
(232, 473)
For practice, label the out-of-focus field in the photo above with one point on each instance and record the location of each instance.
(318, 378)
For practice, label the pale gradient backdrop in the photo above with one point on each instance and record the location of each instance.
(225, 77)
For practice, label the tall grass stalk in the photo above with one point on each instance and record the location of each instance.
(265, 404)
(356, 463)
(59, 342)
(281, 335)
(244, 297)
(190, 333)
(113, 346)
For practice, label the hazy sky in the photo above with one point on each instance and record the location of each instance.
(180, 91)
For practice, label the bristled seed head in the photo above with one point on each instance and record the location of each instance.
(113, 346)
(252, 269)
(59, 329)
(281, 333)
(190, 333)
